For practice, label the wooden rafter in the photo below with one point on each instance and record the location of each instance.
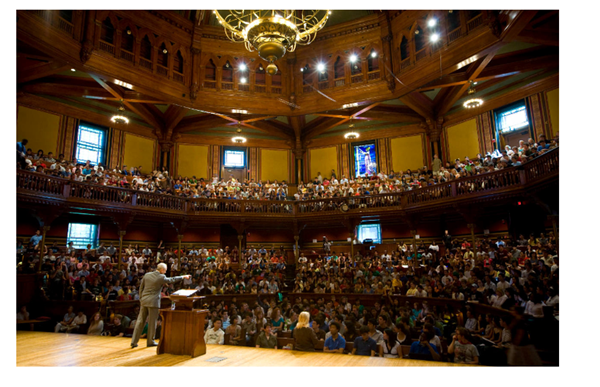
(419, 103)
(326, 126)
(173, 117)
(41, 70)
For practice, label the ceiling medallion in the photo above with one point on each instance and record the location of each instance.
(272, 32)
(120, 118)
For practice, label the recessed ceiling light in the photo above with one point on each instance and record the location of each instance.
(321, 67)
(73, 70)
(432, 22)
(302, 69)
(242, 80)
(353, 58)
(243, 67)
(373, 54)
(435, 37)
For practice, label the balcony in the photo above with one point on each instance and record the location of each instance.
(42, 189)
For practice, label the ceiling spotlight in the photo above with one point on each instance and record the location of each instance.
(349, 105)
(164, 51)
(242, 80)
(302, 69)
(351, 135)
(239, 140)
(128, 31)
(321, 67)
(73, 70)
(226, 65)
(243, 67)
(435, 37)
(432, 22)
(373, 54)
(416, 32)
(353, 58)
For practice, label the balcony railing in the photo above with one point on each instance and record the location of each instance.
(146, 63)
(374, 75)
(475, 22)
(106, 47)
(52, 188)
(162, 70)
(128, 56)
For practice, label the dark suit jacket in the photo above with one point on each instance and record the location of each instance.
(151, 286)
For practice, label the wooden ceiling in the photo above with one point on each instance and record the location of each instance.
(526, 58)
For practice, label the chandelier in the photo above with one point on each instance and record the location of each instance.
(272, 32)
(119, 118)
(239, 139)
(473, 102)
(351, 135)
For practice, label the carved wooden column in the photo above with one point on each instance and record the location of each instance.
(120, 258)
(297, 250)
(471, 227)
(179, 238)
(88, 43)
(386, 48)
(42, 244)
(434, 131)
(165, 149)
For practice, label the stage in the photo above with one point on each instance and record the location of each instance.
(44, 349)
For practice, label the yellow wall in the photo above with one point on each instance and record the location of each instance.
(407, 153)
(192, 160)
(39, 128)
(139, 151)
(323, 160)
(553, 107)
(463, 140)
(274, 165)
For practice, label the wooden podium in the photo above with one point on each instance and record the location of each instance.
(182, 330)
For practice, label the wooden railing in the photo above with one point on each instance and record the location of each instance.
(453, 35)
(405, 63)
(356, 78)
(374, 75)
(475, 22)
(276, 89)
(243, 87)
(421, 54)
(210, 84)
(65, 26)
(145, 63)
(541, 168)
(106, 47)
(260, 88)
(128, 56)
(340, 82)
(323, 85)
(162, 70)
(226, 85)
(177, 77)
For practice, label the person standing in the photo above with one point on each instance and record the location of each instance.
(150, 288)
(436, 164)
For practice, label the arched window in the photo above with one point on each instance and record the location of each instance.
(178, 62)
(373, 61)
(403, 48)
(227, 72)
(127, 40)
(419, 39)
(146, 48)
(453, 20)
(163, 58)
(306, 75)
(322, 76)
(338, 68)
(276, 79)
(261, 78)
(356, 67)
(107, 31)
(210, 71)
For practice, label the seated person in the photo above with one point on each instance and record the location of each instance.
(422, 349)
(267, 339)
(234, 331)
(461, 347)
(390, 346)
(335, 343)
(80, 319)
(66, 322)
(305, 336)
(364, 345)
(215, 335)
(117, 329)
(96, 325)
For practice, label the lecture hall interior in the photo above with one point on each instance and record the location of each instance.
(345, 188)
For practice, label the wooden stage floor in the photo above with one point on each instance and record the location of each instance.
(44, 349)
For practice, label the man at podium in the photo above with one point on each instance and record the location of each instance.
(150, 288)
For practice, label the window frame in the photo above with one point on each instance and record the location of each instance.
(353, 152)
(498, 113)
(101, 147)
(379, 240)
(82, 242)
(235, 149)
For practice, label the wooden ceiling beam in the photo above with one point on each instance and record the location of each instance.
(419, 103)
(42, 70)
(173, 116)
(538, 37)
(458, 91)
(199, 122)
(326, 126)
(517, 24)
